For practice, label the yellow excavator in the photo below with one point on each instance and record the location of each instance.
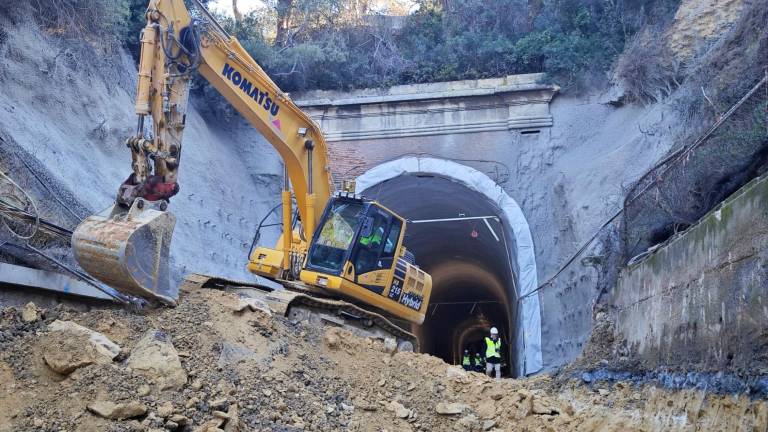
(346, 266)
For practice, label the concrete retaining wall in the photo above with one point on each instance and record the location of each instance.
(699, 301)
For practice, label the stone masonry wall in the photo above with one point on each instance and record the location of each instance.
(700, 300)
(565, 159)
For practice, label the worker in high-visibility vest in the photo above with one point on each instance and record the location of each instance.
(493, 353)
(374, 239)
(479, 363)
(466, 361)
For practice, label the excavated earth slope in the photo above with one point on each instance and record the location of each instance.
(214, 363)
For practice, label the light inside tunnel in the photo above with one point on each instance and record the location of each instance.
(468, 259)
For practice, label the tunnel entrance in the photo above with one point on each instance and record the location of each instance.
(469, 260)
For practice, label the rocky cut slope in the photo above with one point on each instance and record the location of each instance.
(67, 109)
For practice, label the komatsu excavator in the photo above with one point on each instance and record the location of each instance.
(346, 266)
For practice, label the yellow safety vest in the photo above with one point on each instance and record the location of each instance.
(465, 361)
(492, 349)
(373, 238)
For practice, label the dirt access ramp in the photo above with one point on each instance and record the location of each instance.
(213, 364)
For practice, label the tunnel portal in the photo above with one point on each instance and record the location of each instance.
(469, 261)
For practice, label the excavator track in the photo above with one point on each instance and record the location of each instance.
(298, 301)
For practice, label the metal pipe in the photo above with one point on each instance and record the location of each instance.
(84, 277)
(496, 218)
(491, 229)
(140, 127)
(210, 18)
(309, 169)
(287, 229)
(309, 224)
(146, 62)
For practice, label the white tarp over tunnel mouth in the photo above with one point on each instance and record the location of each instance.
(528, 316)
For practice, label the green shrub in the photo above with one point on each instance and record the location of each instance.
(648, 70)
(330, 44)
(92, 20)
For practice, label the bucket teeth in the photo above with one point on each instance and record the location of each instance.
(129, 250)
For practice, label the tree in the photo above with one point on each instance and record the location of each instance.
(284, 9)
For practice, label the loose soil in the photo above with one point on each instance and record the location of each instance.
(249, 371)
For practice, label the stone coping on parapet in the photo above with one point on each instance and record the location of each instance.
(716, 212)
(421, 92)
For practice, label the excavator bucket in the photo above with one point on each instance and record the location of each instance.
(129, 250)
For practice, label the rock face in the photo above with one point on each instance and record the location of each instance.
(61, 151)
(31, 313)
(156, 358)
(486, 409)
(697, 22)
(117, 411)
(445, 408)
(399, 410)
(254, 305)
(69, 346)
(102, 343)
(455, 373)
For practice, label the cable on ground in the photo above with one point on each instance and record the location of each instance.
(5, 212)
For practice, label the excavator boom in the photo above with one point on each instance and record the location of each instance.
(128, 247)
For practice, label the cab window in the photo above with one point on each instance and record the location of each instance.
(370, 242)
(391, 243)
(336, 235)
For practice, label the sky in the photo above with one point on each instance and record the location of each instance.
(226, 5)
(248, 5)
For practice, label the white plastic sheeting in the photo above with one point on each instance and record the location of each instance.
(528, 309)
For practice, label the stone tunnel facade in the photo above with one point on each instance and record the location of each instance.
(446, 120)
(541, 151)
(423, 134)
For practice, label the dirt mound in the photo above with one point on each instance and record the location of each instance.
(254, 371)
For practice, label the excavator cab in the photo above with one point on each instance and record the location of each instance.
(357, 252)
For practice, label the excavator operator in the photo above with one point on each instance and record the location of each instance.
(370, 240)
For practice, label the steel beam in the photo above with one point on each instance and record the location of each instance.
(47, 281)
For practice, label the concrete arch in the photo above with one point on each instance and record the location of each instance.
(522, 255)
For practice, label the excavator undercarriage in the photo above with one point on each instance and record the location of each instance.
(302, 303)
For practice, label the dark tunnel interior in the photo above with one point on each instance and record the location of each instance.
(468, 260)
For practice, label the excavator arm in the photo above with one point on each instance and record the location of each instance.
(173, 46)
(128, 246)
(357, 250)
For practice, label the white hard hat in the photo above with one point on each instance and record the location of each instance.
(494, 331)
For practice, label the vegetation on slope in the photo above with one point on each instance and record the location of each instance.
(339, 44)
(330, 44)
